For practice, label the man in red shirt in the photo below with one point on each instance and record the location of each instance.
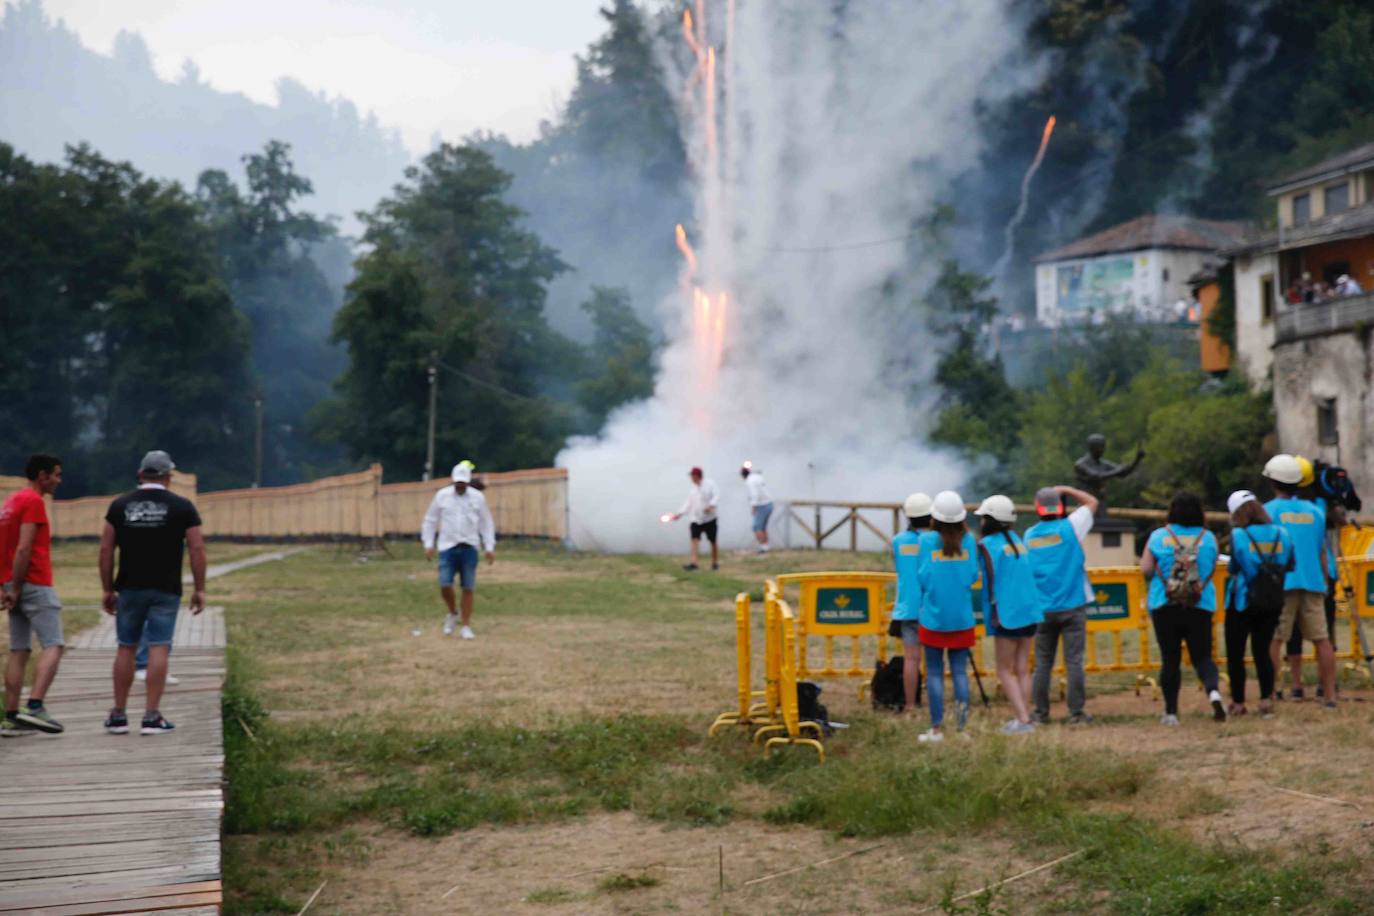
(27, 593)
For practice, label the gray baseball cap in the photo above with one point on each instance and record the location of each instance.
(1048, 502)
(157, 463)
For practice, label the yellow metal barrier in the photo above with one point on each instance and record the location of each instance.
(749, 712)
(840, 605)
(792, 726)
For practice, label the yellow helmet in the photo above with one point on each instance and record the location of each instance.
(1308, 473)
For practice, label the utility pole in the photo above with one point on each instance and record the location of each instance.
(257, 442)
(433, 409)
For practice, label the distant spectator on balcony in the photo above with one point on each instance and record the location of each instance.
(1309, 289)
(1347, 285)
(1295, 293)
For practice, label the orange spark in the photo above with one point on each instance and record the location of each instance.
(686, 248)
(710, 116)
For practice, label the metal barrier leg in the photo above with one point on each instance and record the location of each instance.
(809, 742)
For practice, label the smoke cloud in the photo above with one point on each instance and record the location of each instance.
(837, 127)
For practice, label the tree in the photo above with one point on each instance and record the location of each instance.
(451, 277)
(267, 249)
(623, 346)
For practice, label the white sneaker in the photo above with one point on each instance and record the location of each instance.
(141, 675)
(1169, 719)
(930, 737)
(450, 622)
(1218, 708)
(466, 633)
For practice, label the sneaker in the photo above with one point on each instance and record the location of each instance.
(117, 723)
(41, 720)
(1081, 718)
(156, 725)
(13, 728)
(715, 567)
(764, 548)
(1218, 708)
(1017, 727)
(1237, 709)
(1169, 719)
(690, 567)
(1040, 718)
(141, 675)
(466, 633)
(1295, 695)
(450, 622)
(1266, 710)
(930, 737)
(1329, 704)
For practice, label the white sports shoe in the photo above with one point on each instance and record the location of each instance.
(450, 622)
(930, 737)
(1169, 719)
(466, 633)
(1218, 709)
(141, 675)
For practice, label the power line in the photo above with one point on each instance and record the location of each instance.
(485, 384)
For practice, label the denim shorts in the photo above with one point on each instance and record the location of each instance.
(911, 631)
(38, 611)
(761, 516)
(461, 561)
(1025, 632)
(146, 612)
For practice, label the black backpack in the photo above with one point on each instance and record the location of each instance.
(810, 708)
(886, 690)
(1265, 592)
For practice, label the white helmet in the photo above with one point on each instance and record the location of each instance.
(917, 505)
(1284, 469)
(948, 506)
(999, 507)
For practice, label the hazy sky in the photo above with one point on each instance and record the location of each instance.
(424, 66)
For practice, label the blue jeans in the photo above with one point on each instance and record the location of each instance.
(935, 682)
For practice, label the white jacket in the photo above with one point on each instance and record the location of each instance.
(452, 519)
(758, 490)
(702, 502)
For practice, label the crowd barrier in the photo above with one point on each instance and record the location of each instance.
(838, 605)
(357, 506)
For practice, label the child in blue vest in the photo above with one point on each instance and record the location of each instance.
(906, 558)
(1011, 605)
(1306, 585)
(947, 572)
(1055, 545)
(1258, 547)
(1179, 615)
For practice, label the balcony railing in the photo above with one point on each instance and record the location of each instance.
(1325, 318)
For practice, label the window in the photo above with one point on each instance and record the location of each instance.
(1302, 209)
(1337, 197)
(1111, 539)
(1267, 298)
(1327, 431)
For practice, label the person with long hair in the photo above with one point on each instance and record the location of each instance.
(1011, 605)
(1178, 562)
(1261, 556)
(947, 572)
(906, 558)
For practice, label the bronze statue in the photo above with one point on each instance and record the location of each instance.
(1093, 471)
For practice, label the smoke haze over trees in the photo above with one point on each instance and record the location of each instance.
(500, 256)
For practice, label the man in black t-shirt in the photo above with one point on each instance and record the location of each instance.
(151, 528)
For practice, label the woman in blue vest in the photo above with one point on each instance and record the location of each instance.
(947, 571)
(1011, 605)
(1181, 606)
(906, 557)
(1261, 555)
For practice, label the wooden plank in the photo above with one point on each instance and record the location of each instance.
(113, 892)
(131, 905)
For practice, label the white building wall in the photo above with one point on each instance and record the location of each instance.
(1158, 279)
(1309, 372)
(1255, 334)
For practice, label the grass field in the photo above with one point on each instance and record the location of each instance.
(559, 764)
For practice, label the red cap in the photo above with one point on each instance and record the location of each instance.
(695, 472)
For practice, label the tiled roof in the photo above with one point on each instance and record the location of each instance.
(1351, 160)
(1153, 231)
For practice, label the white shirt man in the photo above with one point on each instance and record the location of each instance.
(456, 524)
(700, 508)
(760, 504)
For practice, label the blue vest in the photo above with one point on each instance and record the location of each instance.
(1251, 546)
(1163, 543)
(906, 557)
(1058, 563)
(1305, 522)
(1018, 600)
(947, 584)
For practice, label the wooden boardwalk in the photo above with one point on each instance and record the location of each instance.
(92, 823)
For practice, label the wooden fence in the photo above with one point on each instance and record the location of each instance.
(532, 503)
